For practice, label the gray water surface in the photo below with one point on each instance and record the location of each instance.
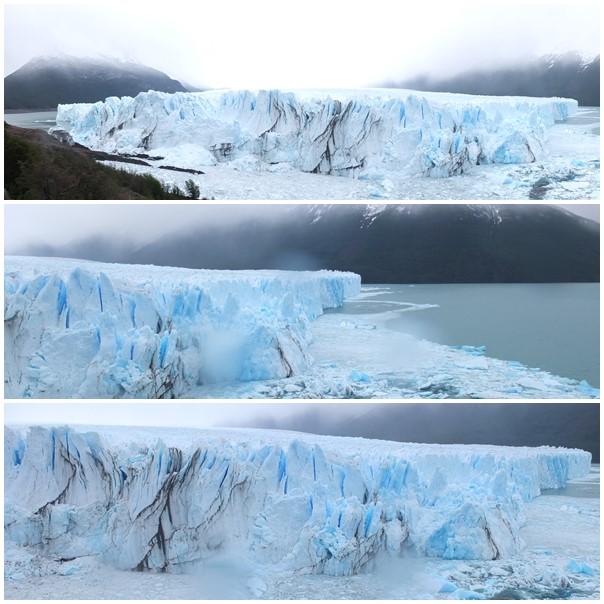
(587, 116)
(42, 120)
(552, 326)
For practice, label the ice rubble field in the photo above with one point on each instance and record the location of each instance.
(85, 329)
(359, 356)
(281, 144)
(272, 504)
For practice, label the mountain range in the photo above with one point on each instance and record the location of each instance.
(566, 75)
(387, 243)
(44, 82)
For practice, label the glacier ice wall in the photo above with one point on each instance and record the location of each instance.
(361, 133)
(82, 329)
(294, 502)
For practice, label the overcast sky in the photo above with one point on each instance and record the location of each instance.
(61, 224)
(314, 43)
(189, 415)
(139, 223)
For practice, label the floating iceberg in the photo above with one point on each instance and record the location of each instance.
(363, 133)
(84, 329)
(285, 501)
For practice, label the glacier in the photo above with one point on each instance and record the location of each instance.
(79, 329)
(84, 329)
(366, 133)
(170, 499)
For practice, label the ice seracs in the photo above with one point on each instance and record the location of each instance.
(166, 499)
(86, 329)
(366, 133)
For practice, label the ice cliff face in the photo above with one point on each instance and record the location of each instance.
(361, 133)
(82, 329)
(295, 502)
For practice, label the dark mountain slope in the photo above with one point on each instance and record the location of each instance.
(403, 244)
(567, 75)
(412, 243)
(45, 82)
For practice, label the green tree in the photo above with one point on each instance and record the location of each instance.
(192, 189)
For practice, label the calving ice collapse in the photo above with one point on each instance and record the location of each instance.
(84, 329)
(366, 133)
(168, 499)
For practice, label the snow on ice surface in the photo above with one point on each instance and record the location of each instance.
(265, 144)
(264, 505)
(83, 329)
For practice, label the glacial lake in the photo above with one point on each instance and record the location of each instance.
(551, 326)
(42, 120)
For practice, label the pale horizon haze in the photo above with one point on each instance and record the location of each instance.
(337, 44)
(159, 414)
